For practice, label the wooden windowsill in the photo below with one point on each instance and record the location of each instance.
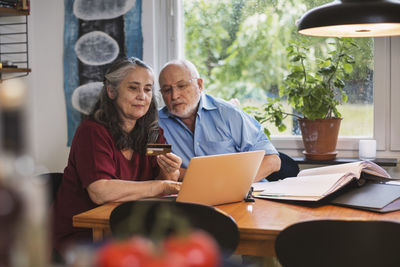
(388, 162)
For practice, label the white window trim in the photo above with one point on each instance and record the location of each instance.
(169, 44)
(162, 31)
(381, 91)
(395, 95)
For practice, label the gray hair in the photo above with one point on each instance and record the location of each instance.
(146, 129)
(184, 63)
(118, 71)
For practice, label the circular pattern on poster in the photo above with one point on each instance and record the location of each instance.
(101, 9)
(96, 48)
(85, 96)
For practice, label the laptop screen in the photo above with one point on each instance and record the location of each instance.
(220, 179)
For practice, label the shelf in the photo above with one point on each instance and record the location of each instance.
(11, 70)
(14, 43)
(388, 162)
(12, 12)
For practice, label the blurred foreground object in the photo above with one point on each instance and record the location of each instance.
(168, 233)
(196, 249)
(17, 169)
(11, 206)
(157, 219)
(10, 213)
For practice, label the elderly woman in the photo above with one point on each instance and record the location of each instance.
(107, 160)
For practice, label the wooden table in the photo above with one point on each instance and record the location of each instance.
(259, 222)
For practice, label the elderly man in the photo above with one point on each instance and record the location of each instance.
(197, 124)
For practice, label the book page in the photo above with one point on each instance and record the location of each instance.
(315, 185)
(260, 186)
(374, 169)
(353, 167)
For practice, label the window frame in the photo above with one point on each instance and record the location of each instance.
(166, 16)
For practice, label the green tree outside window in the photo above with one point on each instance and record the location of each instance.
(239, 47)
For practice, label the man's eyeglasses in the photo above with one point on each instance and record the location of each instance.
(179, 86)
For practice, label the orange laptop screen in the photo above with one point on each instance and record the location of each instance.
(220, 179)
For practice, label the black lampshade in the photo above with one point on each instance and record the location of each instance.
(353, 18)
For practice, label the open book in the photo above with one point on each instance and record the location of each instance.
(317, 183)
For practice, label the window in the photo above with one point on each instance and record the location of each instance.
(239, 48)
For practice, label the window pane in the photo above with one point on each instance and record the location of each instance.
(239, 47)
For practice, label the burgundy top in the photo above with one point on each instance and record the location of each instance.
(93, 156)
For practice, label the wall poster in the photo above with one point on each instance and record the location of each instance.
(96, 32)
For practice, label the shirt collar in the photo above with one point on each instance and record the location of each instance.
(206, 103)
(164, 113)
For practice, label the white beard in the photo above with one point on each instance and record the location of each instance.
(188, 111)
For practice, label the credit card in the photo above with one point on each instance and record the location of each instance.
(157, 149)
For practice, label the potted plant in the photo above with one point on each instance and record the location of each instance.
(314, 89)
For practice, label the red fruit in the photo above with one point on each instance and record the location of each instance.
(131, 253)
(165, 260)
(197, 249)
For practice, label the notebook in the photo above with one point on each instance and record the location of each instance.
(220, 179)
(373, 196)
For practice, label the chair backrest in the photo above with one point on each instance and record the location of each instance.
(144, 216)
(53, 182)
(289, 168)
(339, 243)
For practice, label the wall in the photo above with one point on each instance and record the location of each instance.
(47, 116)
(46, 112)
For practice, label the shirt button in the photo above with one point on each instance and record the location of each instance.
(197, 143)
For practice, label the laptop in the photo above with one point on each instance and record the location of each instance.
(220, 179)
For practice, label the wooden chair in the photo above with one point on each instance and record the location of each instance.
(289, 168)
(53, 182)
(145, 216)
(339, 243)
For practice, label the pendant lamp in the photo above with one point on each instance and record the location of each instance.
(352, 18)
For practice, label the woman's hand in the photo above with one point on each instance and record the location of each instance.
(170, 187)
(169, 166)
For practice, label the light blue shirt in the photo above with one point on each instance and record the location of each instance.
(220, 128)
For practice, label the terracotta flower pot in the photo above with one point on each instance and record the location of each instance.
(320, 138)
